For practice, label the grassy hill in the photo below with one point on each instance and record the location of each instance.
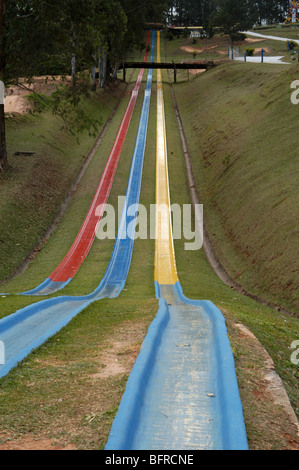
(241, 128)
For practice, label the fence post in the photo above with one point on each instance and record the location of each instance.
(2, 353)
(262, 55)
(245, 56)
(2, 93)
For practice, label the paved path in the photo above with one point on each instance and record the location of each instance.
(265, 36)
(267, 59)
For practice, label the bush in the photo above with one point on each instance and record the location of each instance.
(292, 45)
(236, 37)
(250, 51)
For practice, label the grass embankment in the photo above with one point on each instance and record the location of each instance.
(67, 392)
(275, 331)
(34, 186)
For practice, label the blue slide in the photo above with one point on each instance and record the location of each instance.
(182, 393)
(28, 328)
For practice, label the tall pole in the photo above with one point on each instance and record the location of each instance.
(3, 153)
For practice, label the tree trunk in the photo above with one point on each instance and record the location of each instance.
(73, 74)
(93, 78)
(115, 70)
(102, 68)
(3, 153)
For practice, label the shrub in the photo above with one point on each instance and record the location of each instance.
(292, 45)
(236, 37)
(250, 51)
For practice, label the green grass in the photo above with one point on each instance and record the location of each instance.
(244, 158)
(285, 31)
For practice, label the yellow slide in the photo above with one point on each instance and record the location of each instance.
(165, 266)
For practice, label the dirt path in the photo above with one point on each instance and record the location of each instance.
(264, 37)
(16, 101)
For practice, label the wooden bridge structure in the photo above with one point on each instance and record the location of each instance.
(166, 65)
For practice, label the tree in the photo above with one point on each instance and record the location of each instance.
(268, 11)
(50, 37)
(3, 152)
(233, 17)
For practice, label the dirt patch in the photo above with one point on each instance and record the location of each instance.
(273, 383)
(35, 444)
(196, 71)
(196, 49)
(118, 359)
(16, 101)
(251, 40)
(81, 415)
(120, 353)
(270, 419)
(259, 50)
(192, 49)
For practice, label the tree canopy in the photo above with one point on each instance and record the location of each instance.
(50, 37)
(201, 12)
(41, 36)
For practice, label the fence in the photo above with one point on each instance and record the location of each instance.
(236, 54)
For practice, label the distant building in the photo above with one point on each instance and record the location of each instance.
(194, 30)
(195, 34)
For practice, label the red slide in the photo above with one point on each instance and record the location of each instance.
(83, 242)
(71, 263)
